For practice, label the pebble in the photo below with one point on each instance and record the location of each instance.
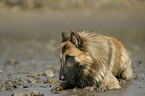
(21, 86)
(9, 84)
(1, 72)
(34, 76)
(136, 76)
(32, 80)
(9, 74)
(50, 67)
(49, 81)
(34, 93)
(44, 86)
(19, 94)
(76, 90)
(101, 89)
(11, 62)
(90, 89)
(53, 81)
(6, 78)
(49, 73)
(19, 79)
(86, 88)
(122, 81)
(27, 57)
(56, 89)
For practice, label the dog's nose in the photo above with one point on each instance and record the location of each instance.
(62, 78)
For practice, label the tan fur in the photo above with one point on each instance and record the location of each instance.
(104, 59)
(118, 54)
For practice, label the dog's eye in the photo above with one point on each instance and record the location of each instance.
(69, 58)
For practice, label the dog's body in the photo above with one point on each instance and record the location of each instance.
(91, 59)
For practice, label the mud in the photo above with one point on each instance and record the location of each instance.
(29, 41)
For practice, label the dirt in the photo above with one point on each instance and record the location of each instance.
(29, 40)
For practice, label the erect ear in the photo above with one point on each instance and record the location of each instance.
(64, 36)
(76, 39)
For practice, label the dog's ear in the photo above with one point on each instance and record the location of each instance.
(64, 36)
(76, 39)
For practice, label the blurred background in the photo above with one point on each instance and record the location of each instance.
(30, 32)
(25, 20)
(46, 18)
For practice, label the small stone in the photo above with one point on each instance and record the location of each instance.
(75, 90)
(21, 86)
(6, 78)
(1, 72)
(49, 81)
(9, 74)
(56, 89)
(86, 88)
(9, 84)
(27, 72)
(27, 57)
(34, 93)
(53, 81)
(33, 76)
(4, 88)
(46, 81)
(136, 77)
(11, 62)
(139, 62)
(44, 86)
(101, 89)
(49, 73)
(139, 87)
(50, 67)
(32, 80)
(19, 94)
(122, 81)
(19, 79)
(90, 89)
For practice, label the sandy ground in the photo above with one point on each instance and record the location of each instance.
(29, 43)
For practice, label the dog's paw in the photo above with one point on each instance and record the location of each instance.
(102, 89)
(90, 89)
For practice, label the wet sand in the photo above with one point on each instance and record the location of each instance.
(29, 48)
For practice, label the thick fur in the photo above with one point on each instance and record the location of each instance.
(88, 59)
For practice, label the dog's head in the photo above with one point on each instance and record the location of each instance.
(73, 58)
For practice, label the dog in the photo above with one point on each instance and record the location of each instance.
(89, 59)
